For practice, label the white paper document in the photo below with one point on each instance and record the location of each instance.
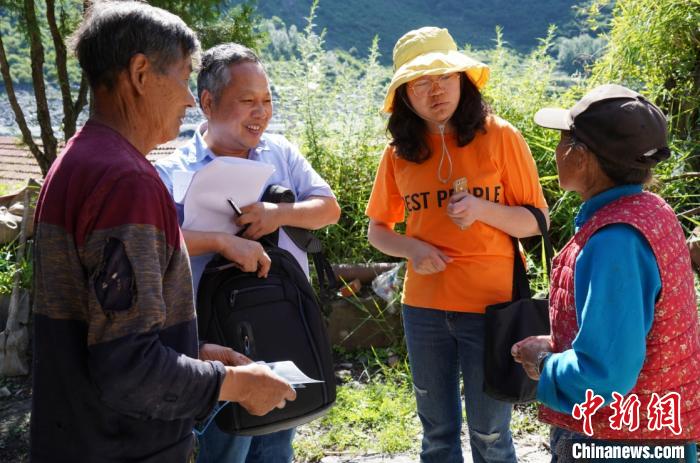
(206, 192)
(181, 182)
(291, 373)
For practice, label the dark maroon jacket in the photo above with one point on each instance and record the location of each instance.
(115, 372)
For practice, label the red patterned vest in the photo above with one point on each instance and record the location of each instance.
(672, 363)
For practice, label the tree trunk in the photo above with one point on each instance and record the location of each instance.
(69, 115)
(19, 115)
(42, 107)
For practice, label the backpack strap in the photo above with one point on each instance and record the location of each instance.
(327, 280)
(305, 240)
(521, 286)
(277, 194)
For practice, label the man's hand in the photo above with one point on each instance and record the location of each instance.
(463, 209)
(426, 258)
(256, 388)
(527, 351)
(225, 355)
(261, 218)
(248, 255)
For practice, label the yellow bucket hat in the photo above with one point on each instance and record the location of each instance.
(430, 51)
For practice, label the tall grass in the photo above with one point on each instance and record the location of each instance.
(9, 267)
(330, 104)
(518, 88)
(375, 413)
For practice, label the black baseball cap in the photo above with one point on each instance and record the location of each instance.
(615, 123)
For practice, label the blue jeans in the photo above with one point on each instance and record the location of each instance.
(560, 441)
(216, 446)
(440, 344)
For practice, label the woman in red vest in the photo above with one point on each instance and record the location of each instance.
(623, 358)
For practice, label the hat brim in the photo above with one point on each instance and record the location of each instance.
(436, 63)
(554, 118)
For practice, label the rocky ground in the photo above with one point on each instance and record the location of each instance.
(15, 407)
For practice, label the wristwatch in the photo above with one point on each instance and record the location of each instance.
(541, 357)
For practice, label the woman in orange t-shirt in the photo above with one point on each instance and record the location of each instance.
(457, 244)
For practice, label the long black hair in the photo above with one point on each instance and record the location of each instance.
(408, 129)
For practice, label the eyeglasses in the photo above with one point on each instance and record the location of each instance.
(423, 86)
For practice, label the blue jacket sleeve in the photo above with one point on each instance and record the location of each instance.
(616, 283)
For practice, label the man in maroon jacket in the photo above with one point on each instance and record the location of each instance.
(116, 375)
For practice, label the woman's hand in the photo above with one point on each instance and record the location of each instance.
(464, 209)
(426, 258)
(527, 352)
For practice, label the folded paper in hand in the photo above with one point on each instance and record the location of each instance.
(290, 373)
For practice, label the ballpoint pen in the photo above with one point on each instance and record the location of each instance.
(238, 212)
(236, 209)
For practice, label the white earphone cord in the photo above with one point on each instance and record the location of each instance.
(445, 151)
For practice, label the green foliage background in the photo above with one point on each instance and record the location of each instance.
(213, 22)
(13, 30)
(655, 47)
(331, 102)
(352, 25)
(328, 102)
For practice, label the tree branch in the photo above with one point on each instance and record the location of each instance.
(682, 176)
(69, 115)
(690, 212)
(42, 106)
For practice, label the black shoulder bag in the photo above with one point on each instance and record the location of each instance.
(509, 322)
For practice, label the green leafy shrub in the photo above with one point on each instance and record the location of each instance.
(376, 412)
(654, 47)
(329, 103)
(577, 54)
(9, 266)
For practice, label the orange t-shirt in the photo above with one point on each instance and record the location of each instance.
(499, 167)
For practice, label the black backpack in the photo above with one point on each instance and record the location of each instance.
(271, 319)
